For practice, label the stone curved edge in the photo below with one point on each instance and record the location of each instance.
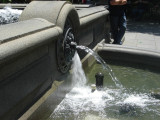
(92, 17)
(48, 10)
(68, 11)
(131, 54)
(128, 48)
(55, 12)
(90, 10)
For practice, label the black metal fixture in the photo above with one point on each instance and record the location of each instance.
(66, 48)
(99, 80)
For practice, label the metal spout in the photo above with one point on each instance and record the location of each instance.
(73, 45)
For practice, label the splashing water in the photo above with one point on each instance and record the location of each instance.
(105, 66)
(80, 100)
(9, 15)
(81, 103)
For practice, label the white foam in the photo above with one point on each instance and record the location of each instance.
(137, 100)
(141, 100)
(9, 15)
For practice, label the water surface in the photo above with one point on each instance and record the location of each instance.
(132, 102)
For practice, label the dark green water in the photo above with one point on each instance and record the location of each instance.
(132, 76)
(138, 82)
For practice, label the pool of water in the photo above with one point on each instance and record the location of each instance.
(133, 101)
(135, 77)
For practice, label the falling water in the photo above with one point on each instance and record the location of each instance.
(9, 15)
(105, 66)
(78, 75)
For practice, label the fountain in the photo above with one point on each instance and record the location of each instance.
(37, 70)
(35, 55)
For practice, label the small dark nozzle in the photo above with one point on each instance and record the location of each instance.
(73, 45)
(99, 80)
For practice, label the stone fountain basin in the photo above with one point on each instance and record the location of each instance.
(126, 54)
